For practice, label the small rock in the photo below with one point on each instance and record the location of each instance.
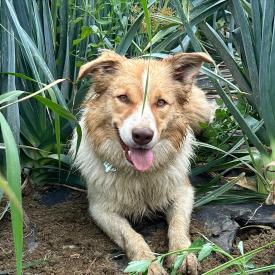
(75, 256)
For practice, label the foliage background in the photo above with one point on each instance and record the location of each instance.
(43, 44)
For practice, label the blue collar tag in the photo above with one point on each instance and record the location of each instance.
(108, 167)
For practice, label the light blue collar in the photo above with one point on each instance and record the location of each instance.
(108, 167)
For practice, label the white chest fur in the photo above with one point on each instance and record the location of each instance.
(129, 192)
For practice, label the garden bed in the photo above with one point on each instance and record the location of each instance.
(61, 238)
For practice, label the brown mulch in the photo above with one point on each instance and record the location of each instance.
(63, 239)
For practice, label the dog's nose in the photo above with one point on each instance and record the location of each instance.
(142, 136)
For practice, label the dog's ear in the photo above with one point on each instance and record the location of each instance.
(107, 63)
(185, 66)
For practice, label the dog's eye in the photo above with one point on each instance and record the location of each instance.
(161, 103)
(123, 98)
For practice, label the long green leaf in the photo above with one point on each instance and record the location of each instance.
(129, 36)
(11, 96)
(248, 48)
(272, 73)
(195, 42)
(257, 27)
(238, 260)
(14, 180)
(258, 270)
(227, 153)
(64, 17)
(226, 56)
(63, 113)
(32, 53)
(45, 88)
(230, 105)
(203, 10)
(4, 186)
(218, 192)
(265, 79)
(159, 36)
(48, 37)
(147, 18)
(7, 62)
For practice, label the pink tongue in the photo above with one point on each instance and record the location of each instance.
(141, 159)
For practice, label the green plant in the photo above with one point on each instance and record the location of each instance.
(204, 250)
(249, 56)
(42, 41)
(13, 189)
(43, 44)
(254, 74)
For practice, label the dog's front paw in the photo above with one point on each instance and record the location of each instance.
(190, 265)
(156, 269)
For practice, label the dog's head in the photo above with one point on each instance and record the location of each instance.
(140, 103)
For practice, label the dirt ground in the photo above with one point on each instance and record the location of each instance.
(62, 239)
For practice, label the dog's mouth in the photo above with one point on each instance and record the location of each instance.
(141, 159)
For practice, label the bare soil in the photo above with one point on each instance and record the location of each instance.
(63, 239)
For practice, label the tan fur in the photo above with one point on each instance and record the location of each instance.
(127, 193)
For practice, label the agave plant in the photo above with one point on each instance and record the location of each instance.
(253, 35)
(43, 44)
(246, 44)
(42, 41)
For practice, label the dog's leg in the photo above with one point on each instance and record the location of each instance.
(121, 232)
(178, 218)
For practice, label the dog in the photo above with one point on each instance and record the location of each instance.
(138, 123)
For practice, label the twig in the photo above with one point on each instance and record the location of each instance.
(254, 213)
(5, 210)
(8, 203)
(89, 271)
(70, 187)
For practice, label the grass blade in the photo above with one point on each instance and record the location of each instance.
(272, 72)
(238, 259)
(10, 96)
(195, 42)
(34, 94)
(159, 36)
(265, 78)
(14, 180)
(129, 36)
(147, 18)
(248, 48)
(217, 192)
(226, 56)
(48, 37)
(240, 119)
(31, 52)
(11, 195)
(258, 270)
(64, 14)
(257, 27)
(8, 81)
(63, 113)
